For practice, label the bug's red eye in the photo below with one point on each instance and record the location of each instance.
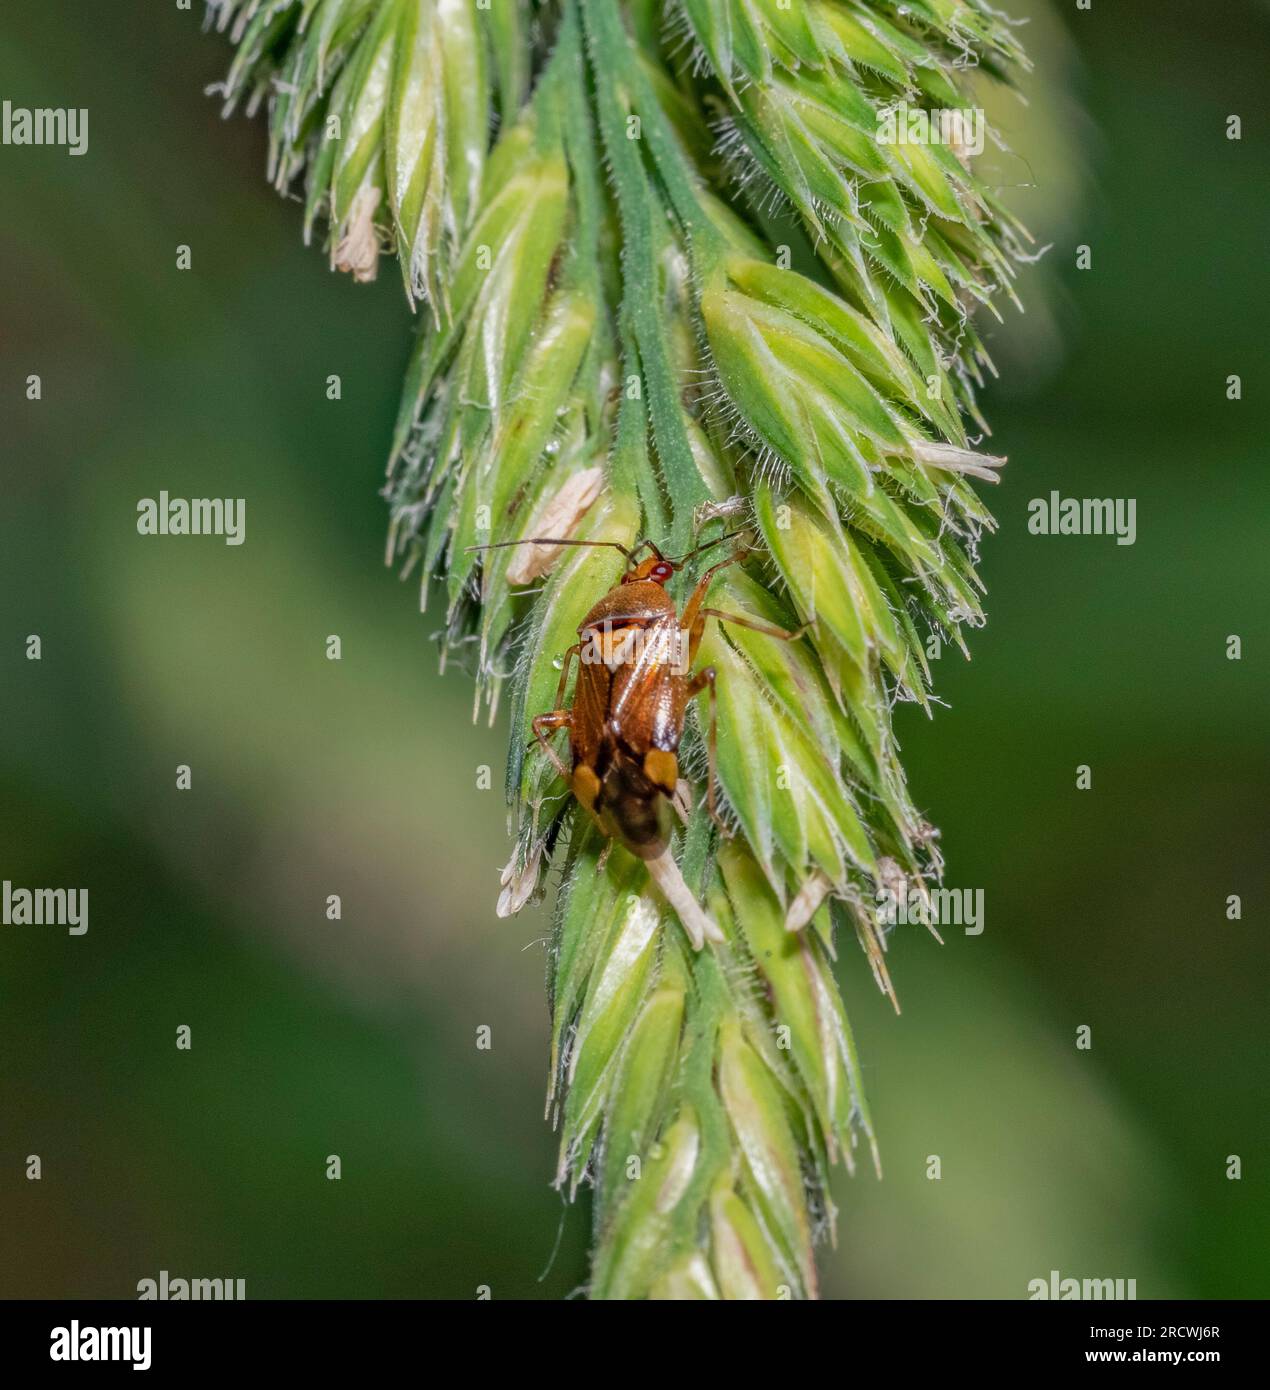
(662, 572)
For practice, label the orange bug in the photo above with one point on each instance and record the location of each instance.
(635, 655)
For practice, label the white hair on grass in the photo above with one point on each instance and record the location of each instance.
(217, 15)
(733, 145)
(720, 409)
(678, 35)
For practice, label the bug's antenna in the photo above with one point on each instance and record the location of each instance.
(705, 545)
(547, 540)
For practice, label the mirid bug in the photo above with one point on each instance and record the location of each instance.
(635, 653)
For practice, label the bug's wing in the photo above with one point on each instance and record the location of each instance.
(647, 700)
(591, 695)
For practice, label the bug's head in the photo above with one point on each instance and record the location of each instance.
(656, 568)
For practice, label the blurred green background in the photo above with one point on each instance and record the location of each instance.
(358, 1037)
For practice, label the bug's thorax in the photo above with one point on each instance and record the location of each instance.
(634, 629)
(638, 601)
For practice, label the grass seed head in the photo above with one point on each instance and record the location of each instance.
(657, 302)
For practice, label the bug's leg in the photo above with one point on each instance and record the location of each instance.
(767, 629)
(604, 856)
(704, 680)
(693, 619)
(545, 724)
(565, 667)
(559, 718)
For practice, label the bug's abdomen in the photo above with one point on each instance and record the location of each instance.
(635, 807)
